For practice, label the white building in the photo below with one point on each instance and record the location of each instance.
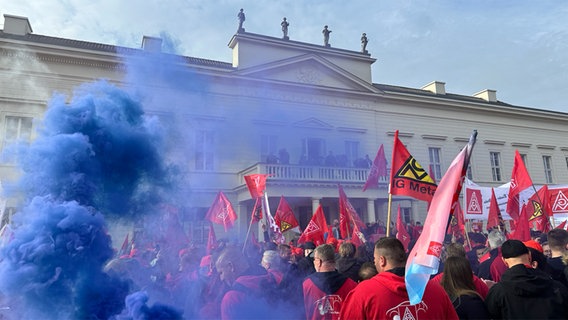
(282, 94)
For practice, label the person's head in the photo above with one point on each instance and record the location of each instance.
(367, 271)
(347, 250)
(515, 252)
(455, 250)
(324, 258)
(285, 252)
(546, 249)
(538, 259)
(480, 251)
(495, 239)
(270, 260)
(231, 264)
(389, 253)
(557, 241)
(335, 223)
(308, 248)
(457, 278)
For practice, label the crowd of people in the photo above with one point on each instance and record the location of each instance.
(493, 278)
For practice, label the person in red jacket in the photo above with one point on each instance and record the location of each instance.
(385, 297)
(326, 289)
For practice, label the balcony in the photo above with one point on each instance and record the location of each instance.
(311, 173)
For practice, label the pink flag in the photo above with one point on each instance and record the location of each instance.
(378, 169)
(424, 258)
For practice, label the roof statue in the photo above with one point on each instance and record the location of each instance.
(364, 41)
(241, 18)
(326, 33)
(285, 25)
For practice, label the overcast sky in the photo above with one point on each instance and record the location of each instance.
(517, 47)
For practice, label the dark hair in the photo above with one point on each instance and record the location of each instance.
(557, 239)
(455, 250)
(392, 249)
(457, 279)
(367, 271)
(347, 250)
(539, 258)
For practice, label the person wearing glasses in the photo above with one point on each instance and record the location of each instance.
(326, 289)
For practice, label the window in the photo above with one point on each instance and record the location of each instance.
(351, 152)
(435, 163)
(268, 147)
(204, 150)
(524, 158)
(495, 158)
(314, 151)
(18, 129)
(547, 162)
(406, 214)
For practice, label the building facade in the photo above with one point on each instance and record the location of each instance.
(306, 114)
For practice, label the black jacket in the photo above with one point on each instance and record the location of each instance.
(525, 293)
(470, 307)
(349, 267)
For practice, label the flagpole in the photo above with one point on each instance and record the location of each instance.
(248, 234)
(266, 208)
(389, 213)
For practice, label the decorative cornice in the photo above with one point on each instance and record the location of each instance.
(48, 58)
(545, 147)
(521, 144)
(355, 130)
(494, 142)
(459, 139)
(433, 137)
(401, 134)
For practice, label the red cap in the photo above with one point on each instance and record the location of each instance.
(533, 244)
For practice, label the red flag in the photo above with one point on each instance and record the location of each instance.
(522, 231)
(401, 232)
(211, 240)
(378, 169)
(315, 229)
(285, 217)
(275, 232)
(358, 238)
(256, 184)
(222, 212)
(457, 223)
(539, 209)
(520, 180)
(494, 219)
(424, 258)
(562, 225)
(257, 210)
(408, 178)
(347, 215)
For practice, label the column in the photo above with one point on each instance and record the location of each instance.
(415, 210)
(315, 205)
(371, 210)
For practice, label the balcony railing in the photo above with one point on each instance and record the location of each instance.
(309, 173)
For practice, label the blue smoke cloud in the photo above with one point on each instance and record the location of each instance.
(96, 156)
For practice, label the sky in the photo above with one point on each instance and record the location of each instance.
(517, 47)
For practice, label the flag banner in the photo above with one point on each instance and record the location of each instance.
(378, 170)
(522, 230)
(347, 215)
(562, 225)
(256, 215)
(275, 232)
(408, 177)
(401, 231)
(477, 200)
(315, 229)
(211, 240)
(285, 217)
(358, 238)
(256, 184)
(457, 222)
(539, 210)
(222, 212)
(424, 259)
(520, 180)
(495, 219)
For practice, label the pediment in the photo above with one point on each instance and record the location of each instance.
(313, 123)
(308, 70)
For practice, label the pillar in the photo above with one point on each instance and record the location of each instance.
(371, 210)
(315, 205)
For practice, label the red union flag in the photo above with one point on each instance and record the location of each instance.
(257, 210)
(539, 209)
(315, 229)
(285, 217)
(408, 177)
(256, 184)
(473, 201)
(495, 218)
(222, 212)
(378, 169)
(347, 215)
(520, 180)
